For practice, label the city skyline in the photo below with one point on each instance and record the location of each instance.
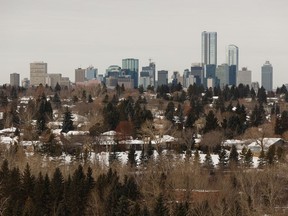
(68, 36)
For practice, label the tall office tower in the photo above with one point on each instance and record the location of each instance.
(232, 75)
(232, 55)
(15, 79)
(38, 73)
(209, 48)
(132, 65)
(53, 79)
(267, 76)
(162, 77)
(147, 75)
(222, 73)
(91, 73)
(197, 71)
(186, 81)
(79, 75)
(244, 77)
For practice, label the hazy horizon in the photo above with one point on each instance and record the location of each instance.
(71, 34)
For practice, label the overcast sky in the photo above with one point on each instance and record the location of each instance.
(68, 34)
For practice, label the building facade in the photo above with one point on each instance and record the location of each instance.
(91, 73)
(222, 73)
(38, 73)
(162, 77)
(147, 75)
(80, 75)
(53, 79)
(131, 65)
(232, 56)
(267, 76)
(209, 48)
(244, 76)
(15, 79)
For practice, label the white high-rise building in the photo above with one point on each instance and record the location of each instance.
(267, 76)
(232, 55)
(38, 73)
(244, 76)
(209, 48)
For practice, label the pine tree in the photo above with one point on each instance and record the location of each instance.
(208, 163)
(223, 158)
(67, 121)
(243, 154)
(28, 182)
(56, 101)
(196, 159)
(57, 188)
(160, 209)
(211, 122)
(261, 160)
(150, 150)
(233, 156)
(248, 159)
(132, 157)
(170, 111)
(271, 155)
(90, 100)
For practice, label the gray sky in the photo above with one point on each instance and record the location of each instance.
(77, 33)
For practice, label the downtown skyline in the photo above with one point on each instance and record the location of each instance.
(68, 36)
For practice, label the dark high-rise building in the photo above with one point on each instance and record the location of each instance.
(267, 76)
(209, 48)
(197, 71)
(133, 66)
(162, 77)
(15, 79)
(232, 75)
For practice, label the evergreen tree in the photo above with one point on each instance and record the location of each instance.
(160, 209)
(211, 122)
(57, 87)
(271, 155)
(208, 163)
(223, 158)
(28, 182)
(233, 156)
(57, 188)
(261, 95)
(90, 100)
(196, 159)
(182, 209)
(261, 160)
(132, 157)
(243, 154)
(67, 124)
(248, 160)
(170, 111)
(150, 150)
(56, 101)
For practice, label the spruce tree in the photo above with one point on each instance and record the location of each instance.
(234, 156)
(132, 157)
(271, 155)
(208, 162)
(223, 158)
(248, 159)
(67, 124)
(211, 122)
(160, 208)
(196, 159)
(261, 160)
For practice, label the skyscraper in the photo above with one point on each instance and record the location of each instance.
(267, 76)
(91, 73)
(162, 77)
(132, 67)
(222, 73)
(244, 77)
(15, 79)
(38, 73)
(79, 75)
(147, 75)
(209, 48)
(232, 55)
